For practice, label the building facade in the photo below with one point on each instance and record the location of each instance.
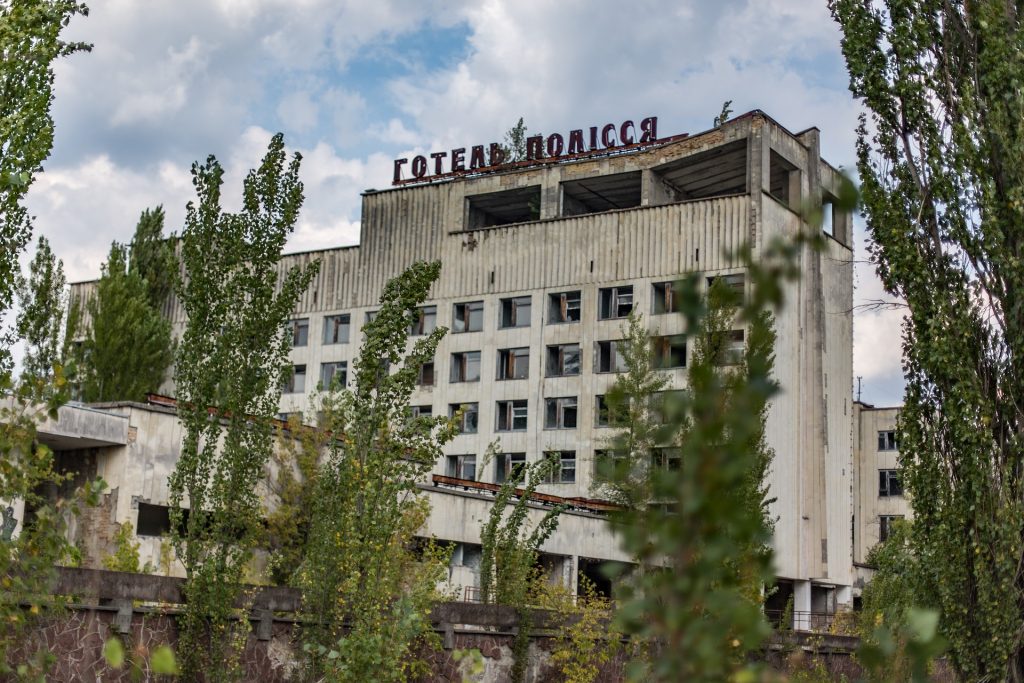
(541, 262)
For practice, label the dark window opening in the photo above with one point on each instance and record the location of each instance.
(563, 360)
(425, 322)
(336, 329)
(668, 352)
(885, 523)
(334, 375)
(514, 363)
(601, 193)
(468, 317)
(887, 440)
(503, 208)
(564, 307)
(515, 312)
(155, 520)
(889, 483)
(560, 413)
(784, 180)
(465, 367)
(461, 467)
(425, 378)
(615, 302)
(421, 411)
(511, 416)
(565, 473)
(470, 416)
(507, 464)
(296, 381)
(665, 298)
(608, 357)
(713, 173)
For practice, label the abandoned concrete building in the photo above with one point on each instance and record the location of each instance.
(541, 262)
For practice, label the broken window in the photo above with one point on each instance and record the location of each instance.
(462, 467)
(503, 208)
(465, 367)
(299, 330)
(784, 180)
(421, 411)
(885, 523)
(468, 316)
(609, 465)
(336, 328)
(563, 360)
(560, 413)
(514, 363)
(334, 375)
(608, 357)
(889, 483)
(425, 322)
(508, 463)
(565, 473)
(296, 381)
(425, 378)
(887, 440)
(665, 298)
(666, 458)
(469, 417)
(601, 193)
(515, 312)
(606, 416)
(668, 351)
(564, 307)
(615, 302)
(713, 173)
(155, 520)
(511, 416)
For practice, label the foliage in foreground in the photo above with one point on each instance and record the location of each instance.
(941, 160)
(229, 372)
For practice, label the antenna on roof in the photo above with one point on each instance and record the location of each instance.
(859, 378)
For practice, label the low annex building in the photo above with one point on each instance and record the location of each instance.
(541, 262)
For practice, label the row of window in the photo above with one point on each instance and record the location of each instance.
(466, 466)
(468, 316)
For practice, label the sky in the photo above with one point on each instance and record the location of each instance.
(354, 84)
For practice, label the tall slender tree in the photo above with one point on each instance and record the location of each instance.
(941, 160)
(152, 256)
(41, 300)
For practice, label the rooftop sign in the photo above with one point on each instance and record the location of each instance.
(597, 138)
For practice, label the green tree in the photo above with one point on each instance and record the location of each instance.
(366, 591)
(515, 142)
(152, 256)
(941, 160)
(229, 371)
(41, 302)
(128, 347)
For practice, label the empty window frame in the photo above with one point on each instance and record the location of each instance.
(887, 440)
(729, 348)
(560, 413)
(469, 418)
(296, 381)
(425, 378)
(665, 406)
(155, 520)
(563, 360)
(425, 322)
(565, 473)
(885, 523)
(511, 416)
(668, 351)
(334, 374)
(468, 316)
(607, 416)
(299, 330)
(609, 465)
(666, 458)
(614, 302)
(461, 467)
(889, 483)
(371, 316)
(503, 208)
(421, 411)
(736, 281)
(601, 193)
(564, 307)
(506, 464)
(515, 312)
(336, 328)
(665, 299)
(784, 180)
(608, 358)
(514, 363)
(465, 367)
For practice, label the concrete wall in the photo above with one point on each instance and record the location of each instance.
(869, 505)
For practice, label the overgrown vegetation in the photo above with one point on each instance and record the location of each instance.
(940, 152)
(367, 584)
(125, 557)
(229, 371)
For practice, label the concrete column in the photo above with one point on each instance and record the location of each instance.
(801, 605)
(572, 571)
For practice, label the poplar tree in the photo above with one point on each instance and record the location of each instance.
(229, 370)
(152, 256)
(940, 152)
(41, 302)
(128, 347)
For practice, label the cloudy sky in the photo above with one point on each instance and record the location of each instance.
(354, 84)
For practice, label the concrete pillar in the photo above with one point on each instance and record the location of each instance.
(844, 597)
(801, 605)
(572, 572)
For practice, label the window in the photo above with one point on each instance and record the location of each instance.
(666, 458)
(296, 381)
(468, 317)
(889, 483)
(155, 520)
(421, 411)
(465, 367)
(609, 465)
(615, 302)
(426, 375)
(462, 467)
(665, 406)
(334, 374)
(564, 307)
(563, 360)
(508, 463)
(566, 471)
(665, 298)
(503, 207)
(668, 352)
(336, 328)
(737, 281)
(601, 193)
(371, 316)
(605, 416)
(425, 322)
(887, 440)
(560, 413)
(514, 363)
(299, 330)
(608, 357)
(470, 416)
(730, 348)
(515, 312)
(885, 523)
(511, 416)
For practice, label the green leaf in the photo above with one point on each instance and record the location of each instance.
(162, 661)
(113, 652)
